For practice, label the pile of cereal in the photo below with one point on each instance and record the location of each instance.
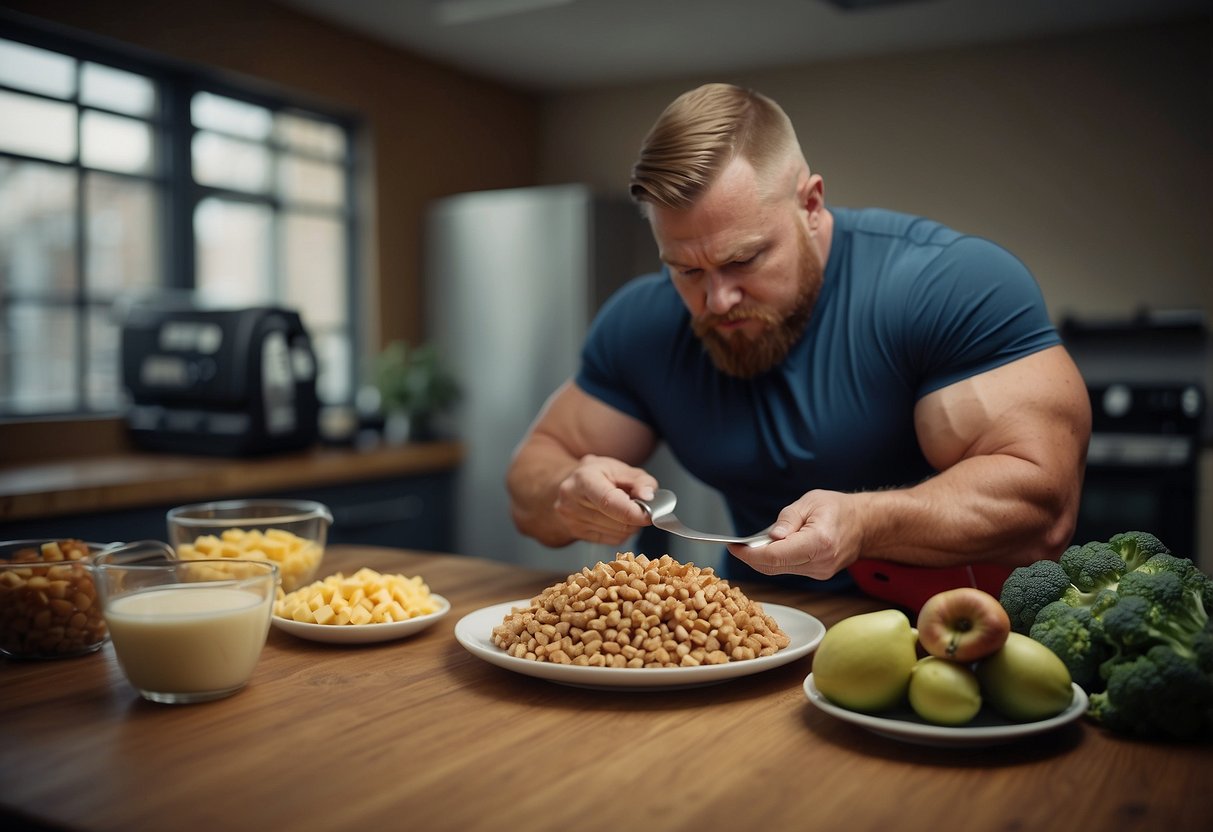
(637, 612)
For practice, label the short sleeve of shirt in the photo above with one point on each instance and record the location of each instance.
(975, 307)
(629, 345)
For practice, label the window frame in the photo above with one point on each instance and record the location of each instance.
(178, 195)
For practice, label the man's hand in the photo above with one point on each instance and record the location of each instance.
(595, 501)
(814, 536)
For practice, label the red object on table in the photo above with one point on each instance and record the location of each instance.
(911, 586)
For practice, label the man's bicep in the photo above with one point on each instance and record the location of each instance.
(582, 424)
(1035, 408)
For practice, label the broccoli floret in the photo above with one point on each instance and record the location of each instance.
(1076, 635)
(1139, 621)
(1093, 566)
(1193, 579)
(1135, 548)
(1159, 694)
(1029, 589)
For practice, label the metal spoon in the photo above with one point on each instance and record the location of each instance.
(661, 511)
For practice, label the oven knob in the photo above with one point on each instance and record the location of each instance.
(1117, 400)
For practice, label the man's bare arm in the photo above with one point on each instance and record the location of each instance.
(574, 474)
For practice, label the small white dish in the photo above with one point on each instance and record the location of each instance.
(986, 729)
(474, 631)
(362, 633)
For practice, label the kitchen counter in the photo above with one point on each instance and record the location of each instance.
(421, 734)
(128, 480)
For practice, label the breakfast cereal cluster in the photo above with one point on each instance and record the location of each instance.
(366, 597)
(636, 612)
(48, 603)
(297, 558)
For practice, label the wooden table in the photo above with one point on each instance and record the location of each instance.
(419, 734)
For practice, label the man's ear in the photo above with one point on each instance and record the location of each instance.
(810, 192)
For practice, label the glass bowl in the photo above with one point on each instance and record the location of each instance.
(291, 533)
(48, 601)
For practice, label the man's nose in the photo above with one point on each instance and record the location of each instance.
(723, 293)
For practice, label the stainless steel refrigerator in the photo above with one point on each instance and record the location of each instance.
(513, 278)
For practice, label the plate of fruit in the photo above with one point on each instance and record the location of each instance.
(962, 677)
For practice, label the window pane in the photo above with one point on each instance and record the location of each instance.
(114, 89)
(319, 183)
(37, 70)
(104, 375)
(226, 163)
(37, 127)
(38, 359)
(37, 229)
(228, 115)
(122, 230)
(310, 135)
(116, 143)
(313, 269)
(234, 252)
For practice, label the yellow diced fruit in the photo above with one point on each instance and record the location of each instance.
(324, 615)
(360, 615)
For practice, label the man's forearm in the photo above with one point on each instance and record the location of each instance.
(533, 479)
(992, 508)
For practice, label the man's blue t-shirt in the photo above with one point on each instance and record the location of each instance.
(907, 306)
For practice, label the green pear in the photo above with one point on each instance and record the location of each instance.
(1025, 681)
(863, 662)
(944, 692)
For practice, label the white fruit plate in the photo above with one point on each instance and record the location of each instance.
(987, 729)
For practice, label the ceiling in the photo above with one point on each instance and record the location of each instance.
(562, 45)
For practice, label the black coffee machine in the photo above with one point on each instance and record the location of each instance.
(229, 382)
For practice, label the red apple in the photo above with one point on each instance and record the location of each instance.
(962, 625)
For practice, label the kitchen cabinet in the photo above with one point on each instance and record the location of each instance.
(386, 496)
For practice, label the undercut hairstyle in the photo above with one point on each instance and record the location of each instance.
(700, 133)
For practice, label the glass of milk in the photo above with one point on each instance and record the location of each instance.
(187, 631)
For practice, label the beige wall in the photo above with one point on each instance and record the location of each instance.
(1089, 157)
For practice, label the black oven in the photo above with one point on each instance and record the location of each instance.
(1143, 463)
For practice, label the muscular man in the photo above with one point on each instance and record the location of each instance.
(887, 390)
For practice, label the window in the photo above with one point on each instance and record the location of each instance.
(96, 213)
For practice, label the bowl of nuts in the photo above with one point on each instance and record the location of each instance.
(48, 602)
(291, 533)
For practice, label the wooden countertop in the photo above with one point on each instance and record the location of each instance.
(421, 734)
(127, 480)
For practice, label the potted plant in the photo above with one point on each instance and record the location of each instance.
(414, 387)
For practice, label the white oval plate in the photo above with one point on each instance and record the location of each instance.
(362, 633)
(474, 631)
(987, 729)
